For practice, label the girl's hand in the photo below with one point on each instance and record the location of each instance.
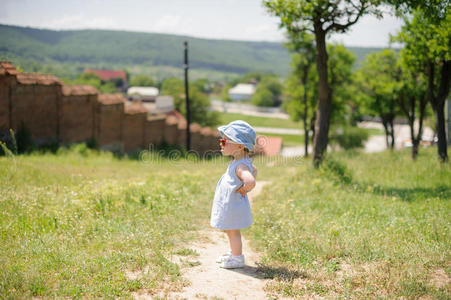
(244, 174)
(241, 190)
(254, 171)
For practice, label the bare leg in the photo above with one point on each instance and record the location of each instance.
(235, 241)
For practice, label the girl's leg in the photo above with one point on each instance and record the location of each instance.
(235, 241)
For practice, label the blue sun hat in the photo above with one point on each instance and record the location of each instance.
(240, 132)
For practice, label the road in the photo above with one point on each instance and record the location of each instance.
(375, 143)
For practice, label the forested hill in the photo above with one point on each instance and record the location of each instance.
(137, 51)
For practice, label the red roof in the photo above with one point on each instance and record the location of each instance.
(268, 145)
(108, 74)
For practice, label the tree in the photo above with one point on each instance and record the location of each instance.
(378, 79)
(199, 102)
(303, 98)
(268, 91)
(95, 81)
(412, 100)
(143, 80)
(320, 17)
(262, 97)
(434, 10)
(340, 66)
(427, 49)
(302, 81)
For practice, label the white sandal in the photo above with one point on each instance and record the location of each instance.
(223, 257)
(233, 262)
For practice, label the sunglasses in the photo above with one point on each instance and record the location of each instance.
(223, 142)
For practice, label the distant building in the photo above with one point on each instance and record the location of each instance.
(143, 93)
(242, 91)
(161, 105)
(106, 75)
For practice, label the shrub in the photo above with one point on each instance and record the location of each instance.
(349, 137)
(24, 139)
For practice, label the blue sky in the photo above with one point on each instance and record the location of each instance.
(217, 19)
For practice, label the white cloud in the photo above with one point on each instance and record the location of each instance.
(81, 21)
(370, 32)
(267, 32)
(173, 24)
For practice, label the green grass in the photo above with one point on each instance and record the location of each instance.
(73, 225)
(77, 224)
(364, 226)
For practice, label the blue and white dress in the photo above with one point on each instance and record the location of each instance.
(230, 209)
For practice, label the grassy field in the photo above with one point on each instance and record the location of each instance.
(85, 225)
(362, 227)
(78, 224)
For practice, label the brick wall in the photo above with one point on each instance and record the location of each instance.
(109, 113)
(171, 131)
(210, 141)
(7, 83)
(154, 131)
(77, 113)
(34, 101)
(181, 133)
(52, 111)
(134, 120)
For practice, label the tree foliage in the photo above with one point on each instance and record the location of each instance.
(95, 81)
(379, 84)
(142, 80)
(199, 102)
(321, 18)
(427, 49)
(268, 92)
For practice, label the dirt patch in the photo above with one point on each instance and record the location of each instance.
(209, 281)
(440, 279)
(206, 279)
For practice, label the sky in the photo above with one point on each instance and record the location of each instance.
(245, 20)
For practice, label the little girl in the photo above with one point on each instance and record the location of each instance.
(231, 210)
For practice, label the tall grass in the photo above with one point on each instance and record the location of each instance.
(74, 224)
(364, 226)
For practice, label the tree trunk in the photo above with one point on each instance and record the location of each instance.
(306, 130)
(417, 140)
(324, 102)
(441, 133)
(438, 103)
(411, 118)
(392, 134)
(306, 136)
(312, 125)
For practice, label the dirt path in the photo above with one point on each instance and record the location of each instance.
(209, 281)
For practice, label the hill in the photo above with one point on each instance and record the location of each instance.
(66, 53)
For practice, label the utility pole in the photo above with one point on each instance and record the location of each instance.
(186, 67)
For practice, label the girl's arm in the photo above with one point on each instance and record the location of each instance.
(245, 175)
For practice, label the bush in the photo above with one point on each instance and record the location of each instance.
(349, 137)
(24, 139)
(81, 149)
